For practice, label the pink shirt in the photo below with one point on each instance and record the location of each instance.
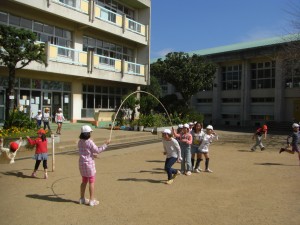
(87, 149)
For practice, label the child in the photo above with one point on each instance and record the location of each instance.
(41, 152)
(197, 134)
(38, 119)
(59, 118)
(206, 141)
(173, 153)
(7, 155)
(294, 143)
(258, 135)
(185, 141)
(87, 152)
(46, 119)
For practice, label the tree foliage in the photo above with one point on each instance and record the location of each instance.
(18, 49)
(188, 74)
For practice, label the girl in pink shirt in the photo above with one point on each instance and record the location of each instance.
(87, 152)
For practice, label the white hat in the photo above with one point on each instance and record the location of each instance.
(39, 110)
(209, 127)
(186, 125)
(295, 125)
(86, 129)
(59, 109)
(167, 131)
(191, 124)
(180, 126)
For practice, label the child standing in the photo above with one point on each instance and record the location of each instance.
(59, 118)
(87, 152)
(258, 135)
(38, 119)
(7, 155)
(46, 119)
(185, 141)
(41, 152)
(197, 134)
(173, 154)
(295, 136)
(206, 141)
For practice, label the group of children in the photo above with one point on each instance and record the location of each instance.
(46, 119)
(189, 141)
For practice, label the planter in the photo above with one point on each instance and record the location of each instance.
(135, 127)
(141, 128)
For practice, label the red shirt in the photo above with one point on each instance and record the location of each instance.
(41, 146)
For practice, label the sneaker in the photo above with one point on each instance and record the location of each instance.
(176, 174)
(33, 175)
(252, 149)
(94, 202)
(84, 201)
(263, 148)
(281, 150)
(46, 176)
(188, 173)
(170, 181)
(198, 170)
(208, 171)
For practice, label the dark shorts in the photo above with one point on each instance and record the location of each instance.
(295, 148)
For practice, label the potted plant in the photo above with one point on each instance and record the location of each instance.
(134, 124)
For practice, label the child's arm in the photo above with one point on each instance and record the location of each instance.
(189, 140)
(175, 133)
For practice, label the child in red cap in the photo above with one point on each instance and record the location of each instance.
(41, 152)
(7, 155)
(258, 135)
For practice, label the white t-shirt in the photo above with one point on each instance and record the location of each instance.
(172, 148)
(207, 139)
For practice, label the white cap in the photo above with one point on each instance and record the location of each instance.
(59, 109)
(180, 126)
(86, 129)
(186, 125)
(209, 127)
(191, 124)
(39, 110)
(167, 131)
(295, 125)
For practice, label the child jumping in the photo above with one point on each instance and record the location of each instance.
(173, 154)
(185, 141)
(87, 152)
(7, 155)
(295, 136)
(41, 152)
(258, 135)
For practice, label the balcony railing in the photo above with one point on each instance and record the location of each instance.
(104, 14)
(76, 57)
(82, 6)
(67, 55)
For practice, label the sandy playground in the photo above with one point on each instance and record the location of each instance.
(245, 188)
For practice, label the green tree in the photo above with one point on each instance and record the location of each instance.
(188, 74)
(18, 48)
(147, 102)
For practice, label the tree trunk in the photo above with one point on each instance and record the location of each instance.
(10, 94)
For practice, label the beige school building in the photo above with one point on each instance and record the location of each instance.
(97, 52)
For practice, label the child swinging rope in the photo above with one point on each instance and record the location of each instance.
(7, 155)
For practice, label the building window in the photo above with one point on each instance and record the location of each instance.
(116, 7)
(291, 72)
(263, 75)
(262, 99)
(108, 49)
(231, 77)
(231, 116)
(231, 100)
(204, 100)
(102, 97)
(262, 117)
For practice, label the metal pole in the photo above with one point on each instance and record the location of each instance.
(53, 153)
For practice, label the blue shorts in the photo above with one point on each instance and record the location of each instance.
(195, 149)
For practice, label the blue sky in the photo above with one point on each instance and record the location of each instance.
(189, 25)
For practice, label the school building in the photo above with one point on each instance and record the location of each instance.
(255, 83)
(97, 52)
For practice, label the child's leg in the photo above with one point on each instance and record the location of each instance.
(199, 159)
(183, 156)
(82, 188)
(45, 168)
(188, 159)
(207, 162)
(168, 167)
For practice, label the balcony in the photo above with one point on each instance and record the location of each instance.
(80, 58)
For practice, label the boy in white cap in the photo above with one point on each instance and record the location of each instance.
(173, 155)
(295, 136)
(38, 119)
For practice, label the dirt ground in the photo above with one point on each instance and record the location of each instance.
(245, 188)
